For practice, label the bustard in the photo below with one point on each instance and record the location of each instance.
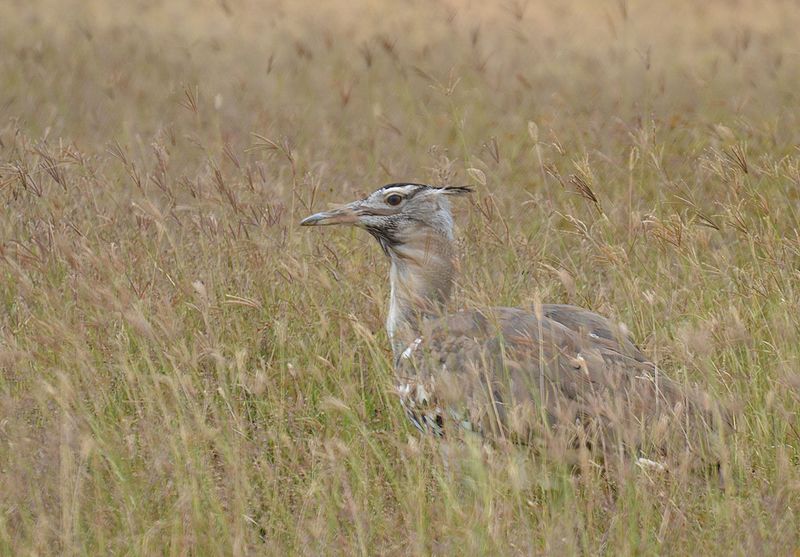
(558, 376)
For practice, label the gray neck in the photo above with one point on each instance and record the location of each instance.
(421, 278)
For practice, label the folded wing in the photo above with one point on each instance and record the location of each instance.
(562, 376)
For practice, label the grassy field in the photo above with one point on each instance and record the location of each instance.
(185, 371)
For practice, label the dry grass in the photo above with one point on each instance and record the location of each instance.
(184, 371)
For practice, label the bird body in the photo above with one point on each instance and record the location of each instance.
(561, 372)
(557, 375)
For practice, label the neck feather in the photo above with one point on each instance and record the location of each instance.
(421, 278)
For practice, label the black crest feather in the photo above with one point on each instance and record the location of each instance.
(456, 190)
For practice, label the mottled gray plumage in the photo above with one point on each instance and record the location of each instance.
(557, 376)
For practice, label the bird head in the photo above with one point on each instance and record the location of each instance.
(396, 214)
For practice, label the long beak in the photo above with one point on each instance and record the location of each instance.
(342, 215)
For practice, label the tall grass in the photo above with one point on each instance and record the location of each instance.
(185, 371)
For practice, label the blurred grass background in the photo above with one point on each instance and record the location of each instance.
(183, 371)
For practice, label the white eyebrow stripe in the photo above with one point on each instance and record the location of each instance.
(403, 189)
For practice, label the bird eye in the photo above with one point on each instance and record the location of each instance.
(394, 199)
